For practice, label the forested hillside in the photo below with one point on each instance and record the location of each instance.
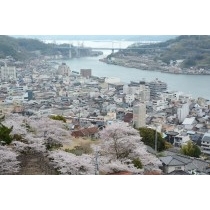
(21, 48)
(193, 50)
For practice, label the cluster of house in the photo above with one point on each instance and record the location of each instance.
(90, 103)
(177, 164)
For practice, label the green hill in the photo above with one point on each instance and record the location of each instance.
(193, 50)
(24, 48)
(21, 48)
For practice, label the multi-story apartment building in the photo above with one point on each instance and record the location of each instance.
(156, 87)
(205, 143)
(139, 115)
(183, 111)
(8, 73)
(141, 90)
(64, 70)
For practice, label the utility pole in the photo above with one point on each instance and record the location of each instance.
(96, 163)
(79, 117)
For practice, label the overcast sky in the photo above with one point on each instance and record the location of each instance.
(159, 17)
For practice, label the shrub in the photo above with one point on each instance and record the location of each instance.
(137, 163)
(5, 134)
(58, 117)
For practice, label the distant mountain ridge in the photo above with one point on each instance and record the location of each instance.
(100, 37)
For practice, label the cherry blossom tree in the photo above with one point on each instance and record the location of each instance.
(49, 128)
(68, 163)
(33, 135)
(107, 166)
(119, 146)
(8, 161)
(36, 143)
(120, 142)
(17, 122)
(36, 131)
(20, 147)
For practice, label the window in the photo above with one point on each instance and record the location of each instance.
(178, 168)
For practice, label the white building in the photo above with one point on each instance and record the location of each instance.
(64, 70)
(205, 143)
(189, 123)
(112, 80)
(159, 105)
(139, 115)
(17, 88)
(181, 139)
(172, 95)
(8, 73)
(16, 99)
(129, 98)
(183, 111)
(141, 91)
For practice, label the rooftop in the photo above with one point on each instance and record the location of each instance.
(188, 121)
(206, 137)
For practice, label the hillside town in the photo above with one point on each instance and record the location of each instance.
(41, 88)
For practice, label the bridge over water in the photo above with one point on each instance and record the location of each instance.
(77, 49)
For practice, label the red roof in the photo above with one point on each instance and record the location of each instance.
(128, 117)
(85, 132)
